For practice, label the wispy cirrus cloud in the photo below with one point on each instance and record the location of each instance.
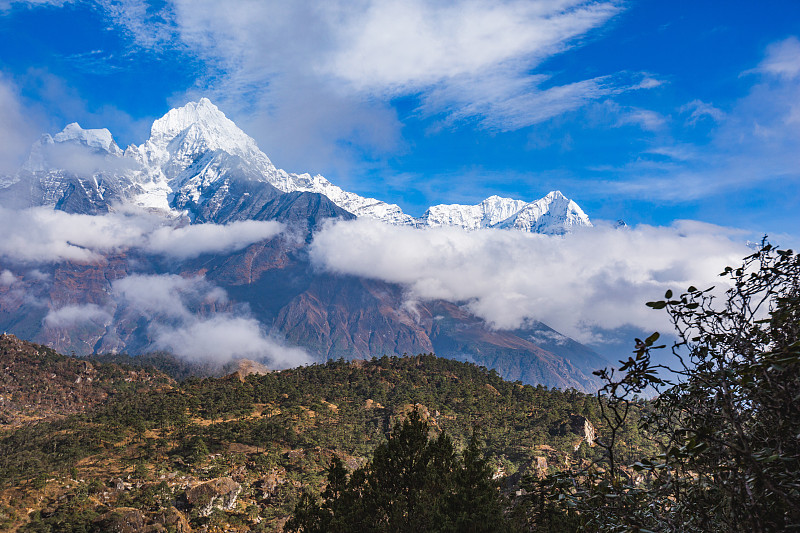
(8, 4)
(400, 47)
(699, 110)
(782, 59)
(288, 71)
(753, 141)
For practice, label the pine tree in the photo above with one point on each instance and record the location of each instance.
(415, 483)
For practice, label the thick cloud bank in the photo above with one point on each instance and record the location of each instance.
(44, 235)
(73, 315)
(194, 319)
(191, 241)
(598, 278)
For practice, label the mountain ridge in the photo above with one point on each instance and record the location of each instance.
(193, 147)
(205, 170)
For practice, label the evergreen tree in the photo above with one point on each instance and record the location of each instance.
(413, 484)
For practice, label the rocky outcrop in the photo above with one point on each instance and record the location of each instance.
(218, 493)
(245, 367)
(174, 520)
(581, 426)
(541, 467)
(123, 520)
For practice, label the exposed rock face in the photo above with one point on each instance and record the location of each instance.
(245, 367)
(584, 428)
(174, 520)
(218, 493)
(588, 433)
(123, 520)
(270, 482)
(541, 467)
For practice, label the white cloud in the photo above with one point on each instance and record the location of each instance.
(782, 59)
(8, 4)
(38, 275)
(402, 46)
(644, 118)
(45, 235)
(194, 240)
(147, 25)
(17, 130)
(194, 319)
(700, 110)
(7, 278)
(598, 278)
(162, 296)
(82, 160)
(506, 103)
(313, 81)
(75, 315)
(224, 337)
(186, 315)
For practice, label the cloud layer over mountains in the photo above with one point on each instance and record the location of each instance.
(594, 278)
(189, 317)
(173, 306)
(581, 284)
(42, 235)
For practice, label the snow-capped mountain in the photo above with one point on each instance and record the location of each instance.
(486, 214)
(553, 214)
(76, 170)
(198, 164)
(196, 157)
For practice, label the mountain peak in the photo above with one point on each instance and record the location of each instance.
(554, 195)
(93, 138)
(202, 112)
(198, 129)
(554, 214)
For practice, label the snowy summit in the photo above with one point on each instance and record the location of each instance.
(194, 153)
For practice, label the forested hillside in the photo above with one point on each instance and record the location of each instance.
(38, 383)
(239, 451)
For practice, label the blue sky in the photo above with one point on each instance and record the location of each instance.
(646, 111)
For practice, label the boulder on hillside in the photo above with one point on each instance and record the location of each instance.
(541, 467)
(123, 520)
(174, 520)
(220, 493)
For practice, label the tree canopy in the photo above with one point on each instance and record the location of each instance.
(414, 483)
(728, 427)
